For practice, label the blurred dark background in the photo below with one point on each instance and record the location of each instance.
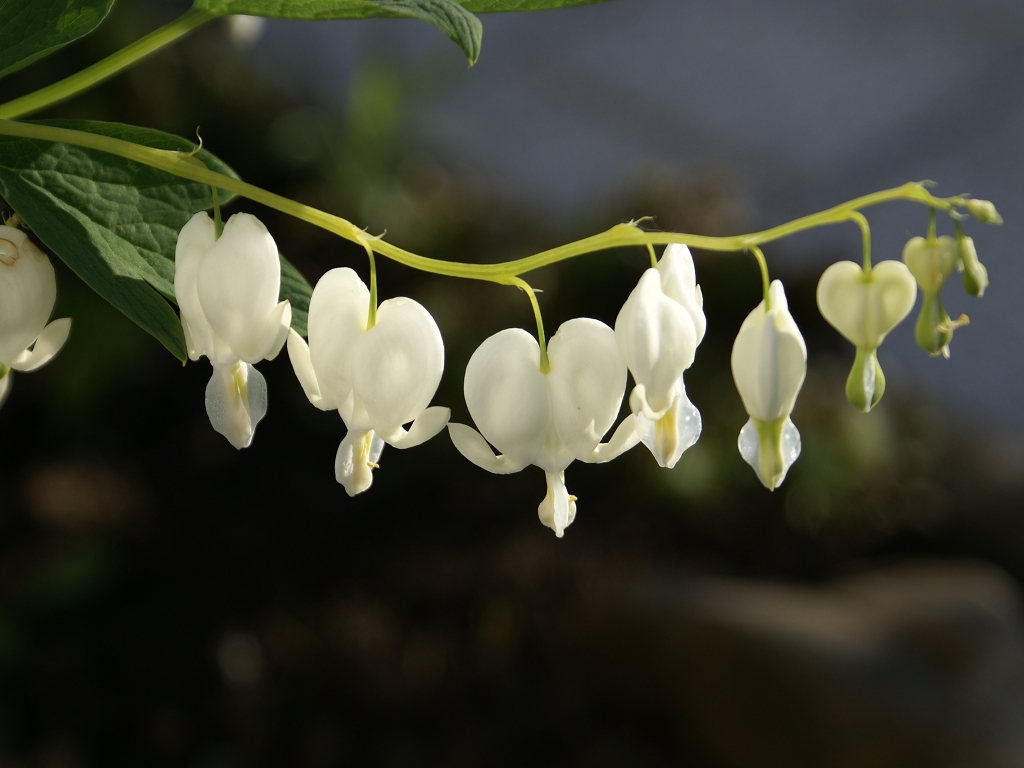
(167, 600)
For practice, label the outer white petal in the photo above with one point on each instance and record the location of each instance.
(275, 332)
(47, 345)
(769, 359)
(5, 386)
(298, 353)
(236, 401)
(679, 281)
(624, 438)
(586, 383)
(558, 509)
(28, 290)
(657, 338)
(669, 435)
(238, 283)
(357, 457)
(507, 396)
(397, 364)
(194, 240)
(472, 445)
(424, 427)
(865, 308)
(338, 311)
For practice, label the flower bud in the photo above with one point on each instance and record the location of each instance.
(975, 274)
(984, 211)
(931, 262)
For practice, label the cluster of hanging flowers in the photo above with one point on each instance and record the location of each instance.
(545, 404)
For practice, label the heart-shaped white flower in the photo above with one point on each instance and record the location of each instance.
(931, 262)
(28, 290)
(864, 307)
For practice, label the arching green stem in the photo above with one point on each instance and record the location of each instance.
(524, 286)
(621, 235)
(931, 222)
(105, 69)
(765, 280)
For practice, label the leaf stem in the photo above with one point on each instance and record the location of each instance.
(107, 68)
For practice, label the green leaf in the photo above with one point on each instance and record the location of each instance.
(32, 29)
(113, 221)
(501, 6)
(449, 16)
(297, 290)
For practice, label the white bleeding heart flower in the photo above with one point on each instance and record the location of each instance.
(378, 378)
(28, 290)
(864, 307)
(657, 331)
(546, 418)
(931, 262)
(227, 291)
(769, 363)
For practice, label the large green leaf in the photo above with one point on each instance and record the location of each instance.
(31, 29)
(501, 6)
(113, 221)
(447, 15)
(298, 291)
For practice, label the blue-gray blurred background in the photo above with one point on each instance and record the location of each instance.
(166, 600)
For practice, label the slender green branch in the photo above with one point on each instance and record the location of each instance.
(621, 235)
(105, 69)
(766, 281)
(524, 286)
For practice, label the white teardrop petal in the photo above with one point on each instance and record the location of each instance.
(424, 427)
(679, 282)
(672, 434)
(472, 446)
(558, 509)
(236, 401)
(47, 345)
(338, 310)
(298, 354)
(507, 395)
(238, 283)
(750, 449)
(28, 290)
(624, 438)
(769, 359)
(586, 383)
(275, 332)
(657, 339)
(194, 240)
(397, 364)
(357, 456)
